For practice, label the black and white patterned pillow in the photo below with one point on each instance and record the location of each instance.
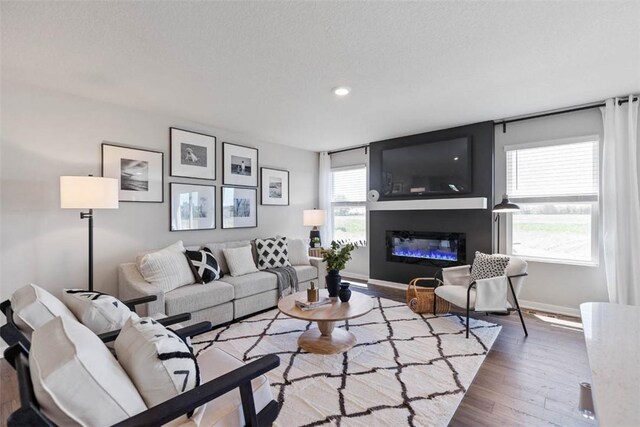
(272, 253)
(204, 265)
(487, 266)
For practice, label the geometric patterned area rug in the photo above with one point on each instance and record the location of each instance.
(406, 368)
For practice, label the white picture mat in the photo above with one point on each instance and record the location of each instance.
(267, 198)
(229, 197)
(230, 178)
(192, 195)
(178, 137)
(111, 168)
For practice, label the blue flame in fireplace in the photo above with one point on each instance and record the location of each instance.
(424, 253)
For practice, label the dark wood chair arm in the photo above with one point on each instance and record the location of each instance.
(9, 331)
(166, 321)
(192, 399)
(131, 303)
(193, 330)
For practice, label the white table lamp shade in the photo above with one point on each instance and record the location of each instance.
(313, 217)
(88, 192)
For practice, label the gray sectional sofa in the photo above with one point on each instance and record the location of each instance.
(219, 301)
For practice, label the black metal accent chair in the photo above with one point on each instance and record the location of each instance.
(456, 279)
(30, 414)
(12, 334)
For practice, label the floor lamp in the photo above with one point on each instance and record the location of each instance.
(503, 207)
(88, 192)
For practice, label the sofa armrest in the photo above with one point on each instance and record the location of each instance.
(322, 271)
(132, 285)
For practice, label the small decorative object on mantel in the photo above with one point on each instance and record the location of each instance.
(344, 293)
(239, 207)
(336, 258)
(193, 207)
(192, 154)
(239, 165)
(140, 173)
(275, 187)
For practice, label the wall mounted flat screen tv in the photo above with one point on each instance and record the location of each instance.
(434, 168)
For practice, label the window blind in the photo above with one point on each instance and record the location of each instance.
(554, 170)
(350, 185)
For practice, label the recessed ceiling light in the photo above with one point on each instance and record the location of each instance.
(341, 91)
(456, 158)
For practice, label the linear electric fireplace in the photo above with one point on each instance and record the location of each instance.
(427, 248)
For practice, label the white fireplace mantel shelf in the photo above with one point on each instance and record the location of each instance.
(429, 204)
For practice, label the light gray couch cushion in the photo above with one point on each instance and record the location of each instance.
(187, 299)
(216, 249)
(252, 284)
(306, 273)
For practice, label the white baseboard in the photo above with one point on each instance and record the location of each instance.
(550, 308)
(389, 284)
(356, 276)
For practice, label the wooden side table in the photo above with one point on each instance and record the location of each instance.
(315, 252)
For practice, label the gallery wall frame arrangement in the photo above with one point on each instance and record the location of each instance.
(239, 207)
(193, 207)
(140, 172)
(274, 187)
(239, 165)
(192, 154)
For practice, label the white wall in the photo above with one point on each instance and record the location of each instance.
(358, 267)
(47, 134)
(557, 287)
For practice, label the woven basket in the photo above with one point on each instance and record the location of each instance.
(420, 299)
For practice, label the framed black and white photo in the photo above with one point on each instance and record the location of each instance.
(192, 154)
(193, 206)
(239, 207)
(275, 187)
(240, 165)
(140, 173)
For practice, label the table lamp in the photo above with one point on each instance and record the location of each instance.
(313, 218)
(88, 192)
(505, 206)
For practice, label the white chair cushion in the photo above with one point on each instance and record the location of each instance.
(457, 295)
(33, 307)
(167, 268)
(240, 261)
(75, 378)
(227, 409)
(298, 252)
(99, 312)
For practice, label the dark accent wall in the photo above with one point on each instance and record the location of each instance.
(477, 224)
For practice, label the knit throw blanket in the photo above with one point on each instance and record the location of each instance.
(287, 280)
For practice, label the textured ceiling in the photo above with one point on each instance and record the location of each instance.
(266, 69)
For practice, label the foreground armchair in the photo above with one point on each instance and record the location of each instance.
(461, 287)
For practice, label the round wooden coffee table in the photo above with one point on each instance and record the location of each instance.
(325, 339)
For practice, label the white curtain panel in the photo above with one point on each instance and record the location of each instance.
(621, 201)
(325, 190)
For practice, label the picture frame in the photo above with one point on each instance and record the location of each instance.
(239, 207)
(239, 165)
(192, 154)
(274, 187)
(140, 172)
(193, 207)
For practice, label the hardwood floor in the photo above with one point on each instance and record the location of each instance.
(530, 381)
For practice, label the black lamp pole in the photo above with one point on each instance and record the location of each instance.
(89, 216)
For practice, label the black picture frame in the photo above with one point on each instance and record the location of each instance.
(229, 191)
(230, 171)
(112, 168)
(209, 173)
(173, 186)
(266, 191)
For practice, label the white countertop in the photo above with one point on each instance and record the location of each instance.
(612, 335)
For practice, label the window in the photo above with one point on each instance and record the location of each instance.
(348, 203)
(556, 186)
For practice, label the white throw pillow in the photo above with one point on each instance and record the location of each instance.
(159, 363)
(240, 261)
(218, 248)
(167, 268)
(97, 311)
(33, 307)
(298, 252)
(76, 380)
(272, 253)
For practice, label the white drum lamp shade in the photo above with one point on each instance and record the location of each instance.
(88, 192)
(313, 217)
